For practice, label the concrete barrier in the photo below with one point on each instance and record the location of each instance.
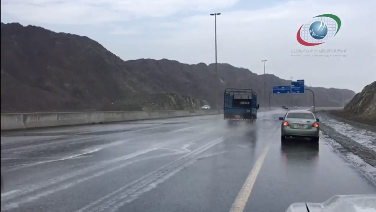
(33, 120)
(140, 115)
(95, 117)
(38, 120)
(181, 113)
(163, 114)
(12, 121)
(71, 118)
(113, 116)
(153, 115)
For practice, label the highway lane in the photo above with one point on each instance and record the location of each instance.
(180, 164)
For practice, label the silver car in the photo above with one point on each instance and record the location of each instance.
(300, 123)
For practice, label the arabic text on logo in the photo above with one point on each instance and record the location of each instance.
(318, 30)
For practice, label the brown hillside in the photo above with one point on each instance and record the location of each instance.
(45, 71)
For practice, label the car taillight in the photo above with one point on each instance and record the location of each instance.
(285, 123)
(315, 124)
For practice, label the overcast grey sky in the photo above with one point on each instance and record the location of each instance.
(248, 32)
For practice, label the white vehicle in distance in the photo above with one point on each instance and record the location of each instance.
(205, 107)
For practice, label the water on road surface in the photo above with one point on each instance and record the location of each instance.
(181, 164)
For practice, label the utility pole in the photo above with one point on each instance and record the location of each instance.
(264, 82)
(216, 64)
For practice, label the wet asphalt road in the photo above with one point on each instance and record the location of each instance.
(181, 164)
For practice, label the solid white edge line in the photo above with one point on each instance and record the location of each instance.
(245, 192)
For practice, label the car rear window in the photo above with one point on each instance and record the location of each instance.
(300, 116)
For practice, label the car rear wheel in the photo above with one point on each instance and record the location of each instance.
(283, 138)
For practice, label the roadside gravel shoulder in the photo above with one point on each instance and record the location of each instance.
(366, 153)
(361, 122)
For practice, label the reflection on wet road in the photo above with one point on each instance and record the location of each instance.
(300, 151)
(181, 164)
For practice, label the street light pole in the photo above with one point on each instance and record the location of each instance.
(216, 64)
(264, 81)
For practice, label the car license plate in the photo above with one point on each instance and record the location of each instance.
(300, 125)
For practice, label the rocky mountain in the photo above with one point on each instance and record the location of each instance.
(46, 71)
(364, 103)
(152, 102)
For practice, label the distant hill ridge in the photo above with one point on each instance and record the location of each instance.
(45, 71)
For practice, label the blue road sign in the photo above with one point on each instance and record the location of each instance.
(297, 86)
(281, 89)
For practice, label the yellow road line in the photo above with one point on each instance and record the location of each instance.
(245, 192)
